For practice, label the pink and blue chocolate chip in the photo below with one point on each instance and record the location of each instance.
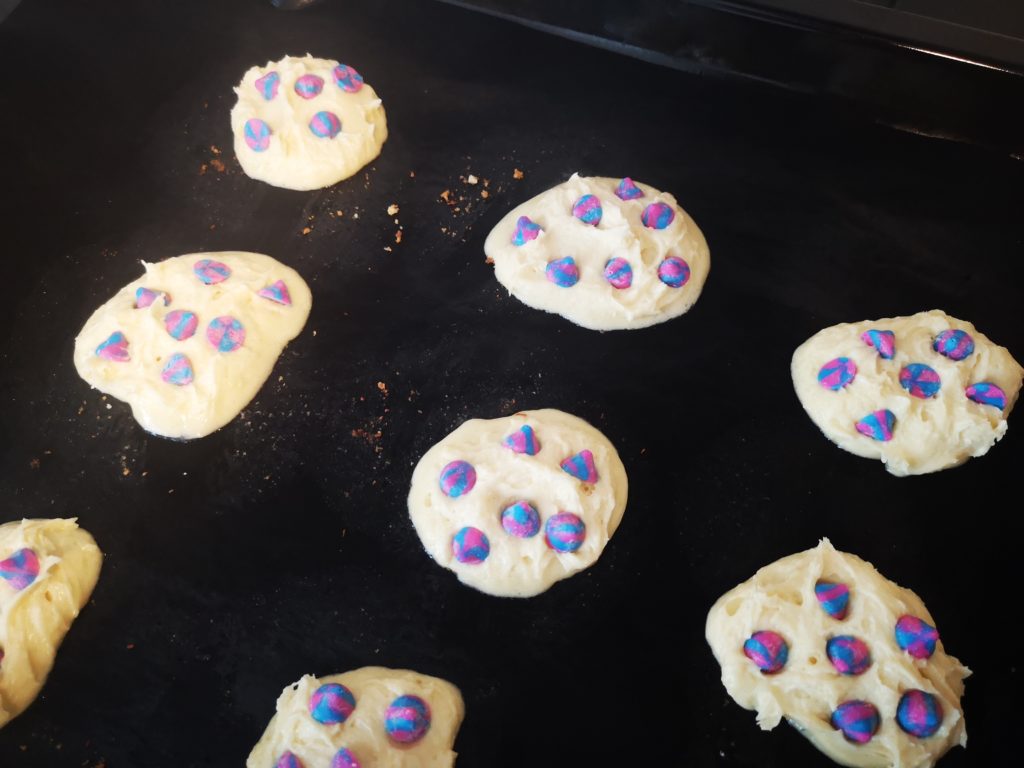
(521, 519)
(920, 380)
(581, 466)
(347, 78)
(986, 393)
(407, 719)
(919, 713)
(277, 292)
(345, 758)
(211, 272)
(563, 272)
(674, 272)
(268, 85)
(767, 650)
(618, 273)
(858, 721)
(523, 440)
(470, 546)
(526, 230)
(325, 125)
(225, 333)
(309, 86)
(181, 324)
(588, 210)
(257, 135)
(837, 374)
(657, 216)
(916, 636)
(332, 703)
(565, 532)
(145, 297)
(457, 478)
(849, 655)
(20, 569)
(628, 190)
(954, 344)
(884, 342)
(178, 370)
(834, 598)
(114, 348)
(288, 760)
(878, 425)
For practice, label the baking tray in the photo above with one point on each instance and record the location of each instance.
(281, 545)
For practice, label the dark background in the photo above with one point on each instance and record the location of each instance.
(281, 544)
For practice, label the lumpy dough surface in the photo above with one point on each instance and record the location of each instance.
(48, 569)
(192, 358)
(294, 141)
(628, 274)
(519, 559)
(294, 729)
(942, 428)
(781, 598)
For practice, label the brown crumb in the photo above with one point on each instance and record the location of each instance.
(213, 227)
(471, 179)
(445, 195)
(484, 194)
(398, 236)
(339, 213)
(125, 472)
(489, 260)
(412, 174)
(214, 149)
(392, 209)
(218, 166)
(202, 169)
(517, 174)
(306, 230)
(34, 463)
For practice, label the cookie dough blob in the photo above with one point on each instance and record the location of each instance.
(374, 716)
(306, 123)
(48, 569)
(876, 715)
(512, 505)
(604, 253)
(921, 393)
(191, 342)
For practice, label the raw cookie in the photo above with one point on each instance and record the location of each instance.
(305, 123)
(513, 505)
(921, 393)
(48, 569)
(371, 717)
(190, 343)
(851, 659)
(604, 253)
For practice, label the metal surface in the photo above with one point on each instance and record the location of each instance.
(281, 545)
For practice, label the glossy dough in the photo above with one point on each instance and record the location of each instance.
(294, 729)
(296, 158)
(34, 620)
(518, 567)
(929, 434)
(781, 598)
(224, 382)
(594, 302)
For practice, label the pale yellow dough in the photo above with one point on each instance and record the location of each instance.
(296, 158)
(293, 728)
(224, 382)
(34, 620)
(929, 435)
(780, 598)
(593, 302)
(518, 567)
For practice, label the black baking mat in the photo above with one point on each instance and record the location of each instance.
(280, 545)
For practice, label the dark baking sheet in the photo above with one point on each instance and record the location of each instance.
(280, 545)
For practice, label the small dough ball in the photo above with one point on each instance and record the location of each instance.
(385, 718)
(512, 505)
(48, 569)
(191, 342)
(851, 659)
(305, 123)
(604, 253)
(921, 393)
